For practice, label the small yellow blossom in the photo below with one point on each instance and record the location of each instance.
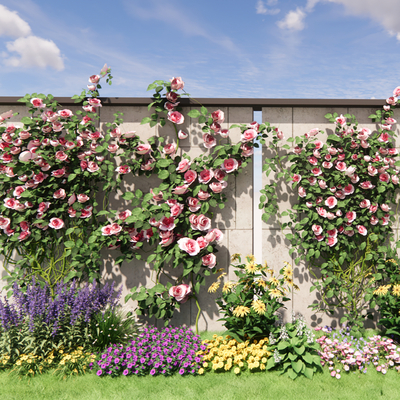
(261, 282)
(288, 271)
(259, 307)
(251, 267)
(241, 311)
(273, 280)
(289, 281)
(236, 370)
(262, 367)
(227, 287)
(235, 257)
(382, 290)
(275, 293)
(396, 290)
(214, 287)
(200, 371)
(222, 275)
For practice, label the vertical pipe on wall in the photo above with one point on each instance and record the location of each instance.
(257, 186)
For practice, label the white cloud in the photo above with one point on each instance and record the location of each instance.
(261, 9)
(11, 24)
(385, 12)
(293, 20)
(34, 52)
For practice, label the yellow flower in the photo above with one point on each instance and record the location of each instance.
(235, 257)
(214, 287)
(261, 282)
(241, 364)
(274, 293)
(263, 360)
(205, 364)
(288, 270)
(251, 267)
(262, 367)
(222, 275)
(259, 307)
(227, 287)
(382, 290)
(289, 281)
(236, 370)
(396, 290)
(201, 371)
(273, 280)
(62, 362)
(241, 311)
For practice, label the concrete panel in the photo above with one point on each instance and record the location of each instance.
(132, 117)
(307, 118)
(238, 115)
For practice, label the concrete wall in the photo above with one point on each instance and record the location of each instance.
(236, 220)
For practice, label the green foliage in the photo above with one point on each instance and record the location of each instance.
(295, 351)
(112, 326)
(249, 305)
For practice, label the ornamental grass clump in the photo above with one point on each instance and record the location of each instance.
(153, 352)
(249, 305)
(341, 352)
(224, 355)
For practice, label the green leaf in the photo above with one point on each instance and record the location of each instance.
(194, 113)
(299, 350)
(145, 120)
(297, 366)
(69, 244)
(282, 345)
(163, 175)
(308, 373)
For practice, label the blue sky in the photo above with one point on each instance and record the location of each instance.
(220, 48)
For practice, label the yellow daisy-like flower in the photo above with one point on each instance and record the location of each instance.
(261, 282)
(227, 287)
(251, 258)
(382, 290)
(251, 267)
(241, 311)
(273, 280)
(236, 370)
(262, 367)
(396, 290)
(200, 371)
(235, 257)
(275, 293)
(259, 307)
(289, 281)
(214, 287)
(222, 275)
(288, 271)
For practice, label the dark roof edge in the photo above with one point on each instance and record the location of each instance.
(220, 102)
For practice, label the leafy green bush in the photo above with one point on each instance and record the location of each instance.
(295, 351)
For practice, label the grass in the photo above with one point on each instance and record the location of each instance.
(261, 385)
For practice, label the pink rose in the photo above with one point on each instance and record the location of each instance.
(182, 135)
(123, 169)
(177, 83)
(373, 208)
(365, 203)
(384, 137)
(176, 210)
(203, 223)
(367, 185)
(332, 241)
(279, 134)
(205, 176)
(218, 187)
(313, 160)
(56, 223)
(190, 176)
(209, 260)
(248, 135)
(296, 178)
(172, 97)
(59, 194)
(321, 212)
(94, 102)
(24, 235)
(202, 242)
(83, 198)
(112, 148)
(147, 165)
(183, 165)
(351, 216)
(317, 229)
(229, 165)
(219, 174)
(247, 150)
(302, 191)
(175, 117)
(362, 230)
(38, 103)
(385, 177)
(340, 120)
(341, 166)
(180, 189)
(331, 202)
(327, 164)
(209, 141)
(169, 148)
(24, 226)
(188, 245)
(123, 215)
(4, 222)
(193, 204)
(392, 100)
(94, 79)
(218, 116)
(322, 184)
(203, 195)
(385, 207)
(181, 293)
(349, 189)
(93, 167)
(218, 234)
(374, 220)
(65, 113)
(316, 171)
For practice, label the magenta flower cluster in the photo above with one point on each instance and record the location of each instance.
(341, 352)
(155, 352)
(69, 305)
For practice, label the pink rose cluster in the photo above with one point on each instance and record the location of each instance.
(359, 169)
(43, 150)
(172, 102)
